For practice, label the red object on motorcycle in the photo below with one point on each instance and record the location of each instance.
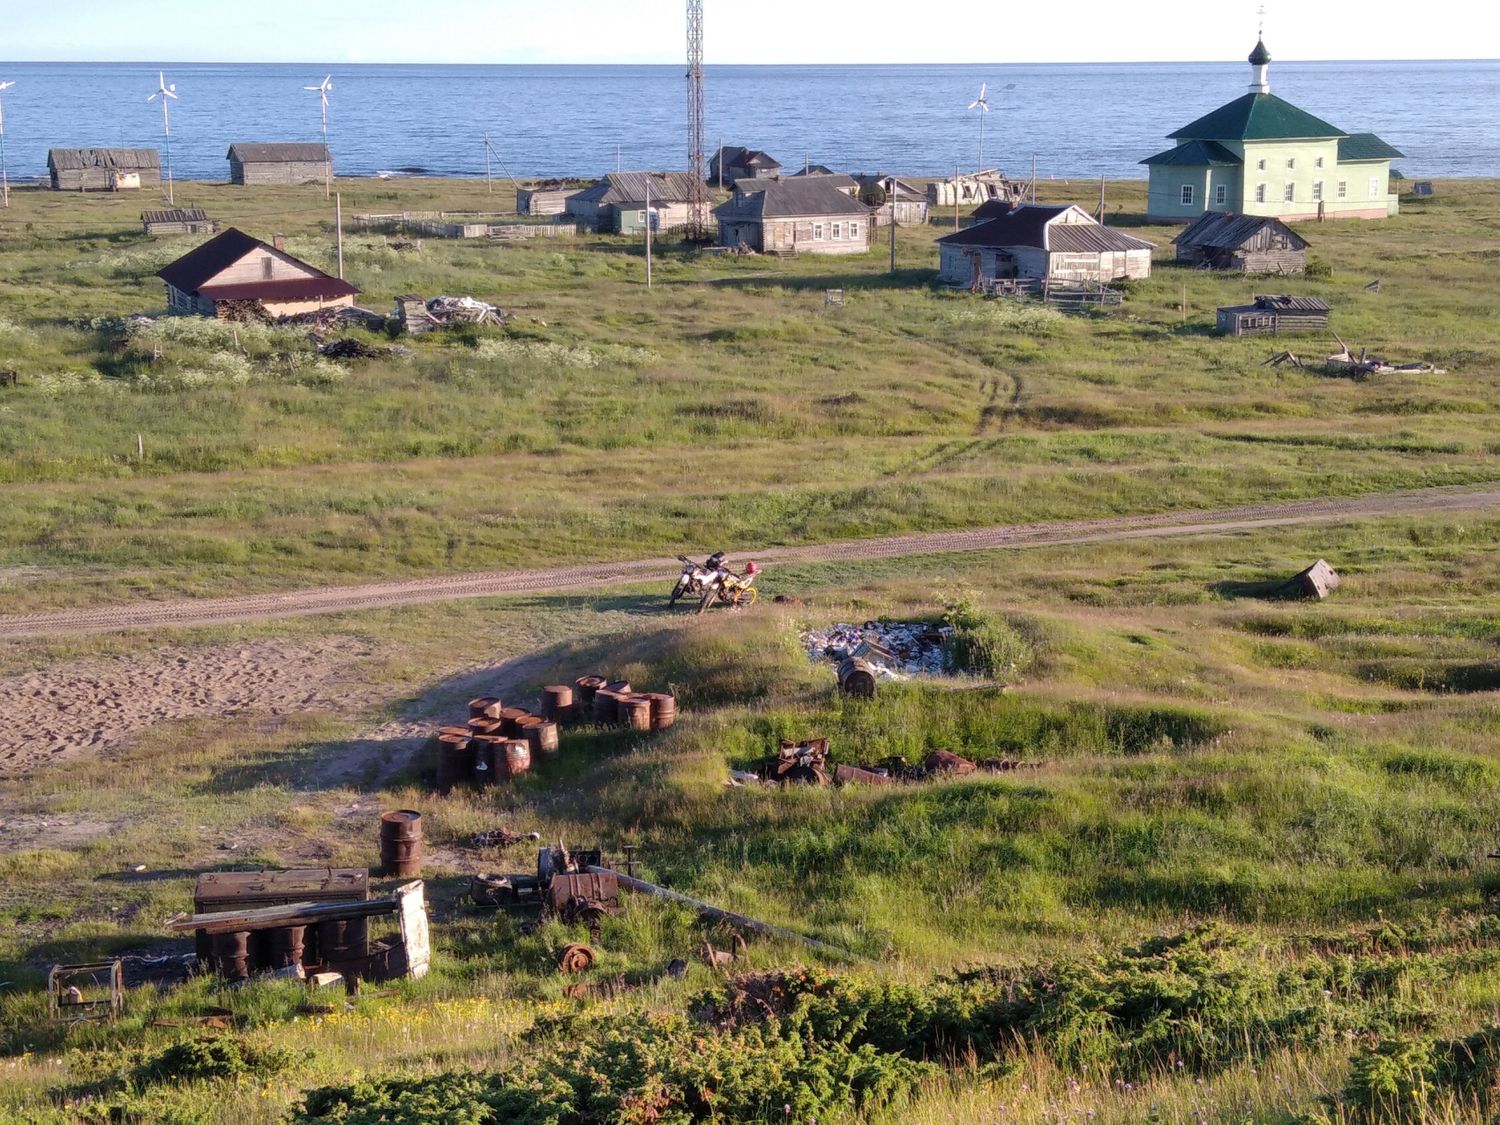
(751, 568)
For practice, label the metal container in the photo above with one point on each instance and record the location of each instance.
(401, 843)
(485, 707)
(663, 710)
(606, 707)
(486, 726)
(511, 717)
(287, 946)
(343, 940)
(635, 712)
(517, 757)
(619, 687)
(543, 739)
(856, 677)
(232, 954)
(557, 702)
(486, 750)
(455, 761)
(584, 689)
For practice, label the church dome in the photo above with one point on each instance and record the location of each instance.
(1260, 56)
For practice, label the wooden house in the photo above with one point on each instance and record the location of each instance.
(732, 164)
(548, 200)
(892, 197)
(103, 169)
(287, 162)
(233, 268)
(844, 182)
(972, 190)
(1271, 316)
(1062, 243)
(803, 214)
(617, 203)
(1247, 243)
(178, 220)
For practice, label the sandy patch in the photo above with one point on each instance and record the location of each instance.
(93, 706)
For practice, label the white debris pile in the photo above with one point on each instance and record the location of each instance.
(895, 650)
(447, 309)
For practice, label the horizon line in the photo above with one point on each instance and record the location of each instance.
(711, 65)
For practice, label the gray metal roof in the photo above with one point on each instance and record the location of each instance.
(1092, 238)
(278, 152)
(1035, 225)
(630, 187)
(1222, 231)
(792, 198)
(127, 159)
(176, 215)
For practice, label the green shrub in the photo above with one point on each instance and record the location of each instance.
(225, 1057)
(1318, 270)
(1404, 1079)
(984, 644)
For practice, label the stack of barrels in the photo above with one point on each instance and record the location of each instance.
(616, 703)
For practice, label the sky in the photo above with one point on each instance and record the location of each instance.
(738, 31)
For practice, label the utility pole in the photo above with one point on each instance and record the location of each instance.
(955, 195)
(4, 176)
(1101, 198)
(1033, 177)
(488, 183)
(338, 225)
(648, 232)
(891, 199)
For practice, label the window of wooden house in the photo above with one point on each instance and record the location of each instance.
(1343, 189)
(1260, 191)
(1289, 194)
(1318, 163)
(1317, 191)
(853, 230)
(1221, 195)
(1374, 187)
(817, 232)
(1291, 163)
(1260, 165)
(1187, 195)
(838, 231)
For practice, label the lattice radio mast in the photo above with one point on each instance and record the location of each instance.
(697, 158)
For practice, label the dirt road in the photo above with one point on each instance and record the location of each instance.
(334, 599)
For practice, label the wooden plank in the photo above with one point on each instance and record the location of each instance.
(276, 917)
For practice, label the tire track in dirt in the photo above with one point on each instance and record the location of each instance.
(378, 595)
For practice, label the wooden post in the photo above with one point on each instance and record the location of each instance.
(489, 183)
(140, 448)
(338, 225)
(1033, 177)
(648, 232)
(955, 195)
(891, 199)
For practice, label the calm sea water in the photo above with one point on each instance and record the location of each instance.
(1077, 120)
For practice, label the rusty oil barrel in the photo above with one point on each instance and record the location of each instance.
(557, 702)
(635, 712)
(343, 940)
(856, 677)
(287, 946)
(455, 761)
(485, 707)
(663, 710)
(543, 739)
(512, 717)
(231, 954)
(401, 843)
(584, 688)
(517, 757)
(619, 687)
(484, 750)
(483, 725)
(606, 707)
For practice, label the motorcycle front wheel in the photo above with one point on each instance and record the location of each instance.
(745, 598)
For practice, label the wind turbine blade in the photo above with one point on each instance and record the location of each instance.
(983, 86)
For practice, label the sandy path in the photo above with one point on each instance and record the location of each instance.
(333, 599)
(94, 705)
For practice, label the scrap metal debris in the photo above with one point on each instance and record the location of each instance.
(500, 838)
(807, 762)
(1361, 366)
(576, 958)
(894, 650)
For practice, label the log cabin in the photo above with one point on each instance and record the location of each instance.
(234, 267)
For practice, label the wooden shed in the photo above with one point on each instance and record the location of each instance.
(286, 162)
(1046, 243)
(103, 169)
(1273, 315)
(1248, 243)
(545, 200)
(178, 220)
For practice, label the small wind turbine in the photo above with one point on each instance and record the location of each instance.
(166, 92)
(983, 106)
(321, 89)
(4, 179)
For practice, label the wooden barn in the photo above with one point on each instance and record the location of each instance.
(103, 169)
(1247, 243)
(890, 197)
(1271, 316)
(234, 268)
(803, 214)
(178, 220)
(289, 162)
(617, 203)
(546, 200)
(1062, 243)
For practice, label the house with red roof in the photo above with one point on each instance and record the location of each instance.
(234, 267)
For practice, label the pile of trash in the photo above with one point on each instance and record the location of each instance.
(447, 310)
(894, 650)
(807, 763)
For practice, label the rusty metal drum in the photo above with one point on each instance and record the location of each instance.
(401, 843)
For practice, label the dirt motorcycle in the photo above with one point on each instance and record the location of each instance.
(735, 590)
(695, 577)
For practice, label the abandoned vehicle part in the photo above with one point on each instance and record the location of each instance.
(217, 891)
(401, 844)
(737, 921)
(576, 958)
(91, 991)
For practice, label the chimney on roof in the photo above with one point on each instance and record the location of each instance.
(279, 241)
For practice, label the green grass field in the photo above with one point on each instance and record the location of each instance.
(1248, 883)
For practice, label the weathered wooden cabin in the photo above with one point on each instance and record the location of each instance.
(733, 163)
(289, 162)
(103, 169)
(234, 267)
(970, 191)
(1062, 243)
(178, 220)
(617, 203)
(545, 200)
(893, 198)
(800, 215)
(1247, 243)
(1270, 316)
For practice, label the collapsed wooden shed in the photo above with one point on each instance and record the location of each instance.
(1273, 315)
(178, 220)
(103, 169)
(1248, 243)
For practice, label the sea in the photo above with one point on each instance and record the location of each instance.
(1076, 121)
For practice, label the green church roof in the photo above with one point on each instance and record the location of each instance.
(1366, 146)
(1257, 117)
(1196, 154)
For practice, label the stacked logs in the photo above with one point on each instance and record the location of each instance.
(499, 743)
